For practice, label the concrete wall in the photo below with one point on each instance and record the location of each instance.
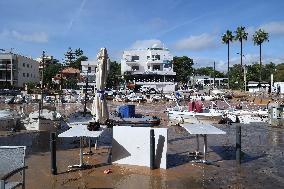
(131, 145)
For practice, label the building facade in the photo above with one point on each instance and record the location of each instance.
(17, 70)
(152, 66)
(208, 81)
(88, 70)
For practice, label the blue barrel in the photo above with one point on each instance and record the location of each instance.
(127, 111)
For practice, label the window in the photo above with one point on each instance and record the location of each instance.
(89, 69)
(156, 57)
(28, 65)
(135, 68)
(133, 58)
(24, 64)
(148, 57)
(24, 74)
(28, 74)
(156, 67)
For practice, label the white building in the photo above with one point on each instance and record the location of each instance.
(254, 86)
(17, 70)
(152, 66)
(208, 81)
(88, 69)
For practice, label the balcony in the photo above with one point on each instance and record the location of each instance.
(154, 61)
(132, 62)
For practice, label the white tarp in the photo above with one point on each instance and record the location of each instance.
(81, 131)
(131, 146)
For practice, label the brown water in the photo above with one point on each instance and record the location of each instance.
(262, 161)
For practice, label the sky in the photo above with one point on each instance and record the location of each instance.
(187, 27)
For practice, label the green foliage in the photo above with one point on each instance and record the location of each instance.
(252, 74)
(183, 68)
(31, 85)
(113, 78)
(77, 63)
(227, 37)
(50, 71)
(236, 80)
(241, 34)
(209, 71)
(259, 37)
(279, 73)
(73, 59)
(70, 83)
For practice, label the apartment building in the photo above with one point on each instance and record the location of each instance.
(17, 70)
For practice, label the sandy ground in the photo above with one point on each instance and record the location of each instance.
(262, 164)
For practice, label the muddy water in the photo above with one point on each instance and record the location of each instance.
(262, 160)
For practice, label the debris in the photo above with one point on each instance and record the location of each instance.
(107, 171)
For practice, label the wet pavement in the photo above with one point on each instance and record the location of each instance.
(262, 158)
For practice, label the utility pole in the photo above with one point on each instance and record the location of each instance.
(245, 77)
(214, 73)
(42, 72)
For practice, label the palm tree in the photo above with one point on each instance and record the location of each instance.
(258, 38)
(226, 39)
(240, 36)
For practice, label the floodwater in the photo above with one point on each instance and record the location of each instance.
(262, 159)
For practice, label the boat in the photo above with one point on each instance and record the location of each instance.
(10, 120)
(192, 114)
(45, 120)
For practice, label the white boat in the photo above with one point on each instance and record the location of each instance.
(183, 115)
(9, 119)
(248, 116)
(47, 121)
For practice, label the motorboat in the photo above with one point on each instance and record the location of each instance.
(188, 114)
(43, 120)
(9, 120)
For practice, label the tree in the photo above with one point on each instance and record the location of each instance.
(240, 36)
(77, 62)
(235, 75)
(208, 71)
(183, 68)
(226, 39)
(50, 71)
(73, 59)
(113, 78)
(279, 73)
(259, 37)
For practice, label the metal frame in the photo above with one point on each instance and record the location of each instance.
(20, 169)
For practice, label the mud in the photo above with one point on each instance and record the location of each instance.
(262, 159)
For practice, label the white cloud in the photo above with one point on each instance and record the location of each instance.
(76, 15)
(38, 37)
(273, 27)
(196, 43)
(142, 44)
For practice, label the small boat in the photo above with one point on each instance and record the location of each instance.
(47, 120)
(9, 120)
(184, 114)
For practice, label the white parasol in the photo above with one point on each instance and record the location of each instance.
(99, 104)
